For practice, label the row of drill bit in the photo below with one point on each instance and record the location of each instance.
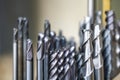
(57, 58)
(98, 57)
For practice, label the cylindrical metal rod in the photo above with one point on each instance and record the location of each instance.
(25, 37)
(29, 60)
(15, 54)
(40, 55)
(91, 10)
(46, 50)
(20, 49)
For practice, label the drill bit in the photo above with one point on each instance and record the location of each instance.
(40, 57)
(86, 49)
(61, 62)
(20, 49)
(72, 62)
(25, 37)
(79, 62)
(46, 53)
(29, 60)
(15, 54)
(110, 18)
(97, 55)
(66, 66)
(107, 51)
(117, 38)
(53, 65)
(46, 47)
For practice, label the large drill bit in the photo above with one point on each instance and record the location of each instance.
(107, 51)
(29, 60)
(97, 55)
(87, 50)
(72, 62)
(110, 24)
(79, 56)
(20, 49)
(40, 57)
(15, 54)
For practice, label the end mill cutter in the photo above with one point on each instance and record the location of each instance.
(97, 55)
(40, 57)
(15, 54)
(29, 60)
(87, 68)
(20, 49)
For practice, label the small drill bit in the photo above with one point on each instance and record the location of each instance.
(40, 57)
(20, 49)
(53, 65)
(72, 62)
(25, 37)
(15, 54)
(47, 28)
(46, 53)
(66, 66)
(61, 62)
(29, 60)
(47, 41)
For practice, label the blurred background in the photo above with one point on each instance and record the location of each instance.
(63, 15)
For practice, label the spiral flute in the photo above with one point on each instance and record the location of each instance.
(87, 68)
(117, 38)
(97, 54)
(53, 65)
(29, 60)
(40, 57)
(107, 51)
